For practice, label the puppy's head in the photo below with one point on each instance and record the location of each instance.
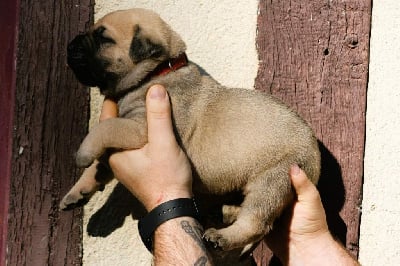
(121, 49)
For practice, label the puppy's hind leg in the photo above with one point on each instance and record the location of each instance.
(265, 198)
(92, 179)
(230, 213)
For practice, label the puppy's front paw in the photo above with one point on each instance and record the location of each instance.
(215, 239)
(84, 158)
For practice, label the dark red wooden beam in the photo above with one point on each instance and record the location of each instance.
(314, 56)
(9, 28)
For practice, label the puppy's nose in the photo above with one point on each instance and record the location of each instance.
(80, 58)
(78, 50)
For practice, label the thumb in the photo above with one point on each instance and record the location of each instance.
(305, 189)
(159, 122)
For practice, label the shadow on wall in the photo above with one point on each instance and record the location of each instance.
(121, 204)
(112, 214)
(332, 192)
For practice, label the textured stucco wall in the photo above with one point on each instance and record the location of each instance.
(220, 36)
(380, 221)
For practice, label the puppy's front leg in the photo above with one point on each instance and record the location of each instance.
(118, 133)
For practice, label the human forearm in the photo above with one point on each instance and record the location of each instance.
(179, 242)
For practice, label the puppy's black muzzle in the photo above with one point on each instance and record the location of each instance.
(81, 57)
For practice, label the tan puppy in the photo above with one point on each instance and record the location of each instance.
(236, 139)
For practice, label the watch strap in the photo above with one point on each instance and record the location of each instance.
(162, 213)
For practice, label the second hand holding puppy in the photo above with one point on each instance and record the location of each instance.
(302, 236)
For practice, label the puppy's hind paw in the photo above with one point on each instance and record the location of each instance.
(215, 239)
(73, 200)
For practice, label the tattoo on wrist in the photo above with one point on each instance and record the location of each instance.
(196, 232)
(201, 261)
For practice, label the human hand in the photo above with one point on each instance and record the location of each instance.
(160, 171)
(302, 237)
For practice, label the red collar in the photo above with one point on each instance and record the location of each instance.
(170, 65)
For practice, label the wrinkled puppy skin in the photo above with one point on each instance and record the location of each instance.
(236, 139)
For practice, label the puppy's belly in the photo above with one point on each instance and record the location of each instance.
(218, 184)
(227, 166)
(219, 174)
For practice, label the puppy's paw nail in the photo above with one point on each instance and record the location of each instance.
(215, 239)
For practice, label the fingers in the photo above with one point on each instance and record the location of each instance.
(304, 188)
(109, 109)
(159, 123)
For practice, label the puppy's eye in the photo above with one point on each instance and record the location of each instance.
(100, 36)
(104, 39)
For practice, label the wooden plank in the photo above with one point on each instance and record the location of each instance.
(51, 115)
(8, 20)
(314, 56)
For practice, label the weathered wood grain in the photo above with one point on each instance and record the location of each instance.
(314, 56)
(50, 120)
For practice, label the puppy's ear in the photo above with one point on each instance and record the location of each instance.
(143, 48)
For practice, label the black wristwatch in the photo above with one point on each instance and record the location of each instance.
(162, 213)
